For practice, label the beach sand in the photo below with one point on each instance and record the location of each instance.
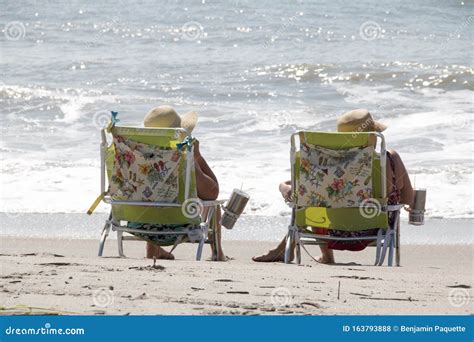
(66, 277)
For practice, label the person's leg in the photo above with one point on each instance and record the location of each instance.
(153, 251)
(217, 235)
(277, 254)
(327, 256)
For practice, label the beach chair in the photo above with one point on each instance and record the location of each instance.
(152, 189)
(339, 184)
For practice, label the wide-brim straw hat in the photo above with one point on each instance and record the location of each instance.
(166, 117)
(359, 120)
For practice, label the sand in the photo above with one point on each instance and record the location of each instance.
(64, 276)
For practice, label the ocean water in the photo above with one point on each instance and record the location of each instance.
(256, 71)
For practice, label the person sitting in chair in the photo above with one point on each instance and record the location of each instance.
(206, 182)
(399, 190)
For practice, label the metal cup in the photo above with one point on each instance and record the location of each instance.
(234, 208)
(417, 213)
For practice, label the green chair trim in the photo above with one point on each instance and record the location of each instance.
(336, 141)
(152, 215)
(159, 137)
(348, 219)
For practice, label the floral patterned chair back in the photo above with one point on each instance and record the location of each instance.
(144, 172)
(334, 178)
(146, 165)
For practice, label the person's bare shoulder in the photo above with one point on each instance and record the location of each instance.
(395, 156)
(393, 153)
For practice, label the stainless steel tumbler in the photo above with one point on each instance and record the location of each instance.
(234, 208)
(417, 213)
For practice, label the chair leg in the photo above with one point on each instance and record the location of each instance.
(199, 249)
(298, 252)
(104, 235)
(120, 243)
(378, 248)
(391, 248)
(386, 244)
(289, 243)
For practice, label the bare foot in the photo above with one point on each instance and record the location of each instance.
(157, 252)
(274, 255)
(220, 256)
(326, 260)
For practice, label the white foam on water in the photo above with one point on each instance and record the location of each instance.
(439, 155)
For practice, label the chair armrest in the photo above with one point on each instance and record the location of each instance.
(213, 203)
(395, 207)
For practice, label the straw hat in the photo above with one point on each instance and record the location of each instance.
(166, 117)
(359, 120)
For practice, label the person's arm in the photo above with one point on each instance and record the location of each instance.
(205, 167)
(403, 180)
(285, 189)
(206, 181)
